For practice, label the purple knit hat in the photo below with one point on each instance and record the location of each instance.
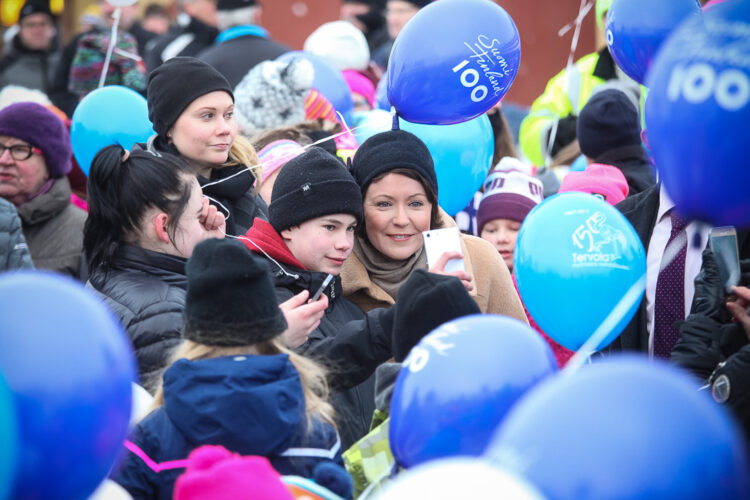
(41, 128)
(508, 195)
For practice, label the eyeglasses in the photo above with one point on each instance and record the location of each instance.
(20, 152)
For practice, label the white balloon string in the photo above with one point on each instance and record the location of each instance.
(112, 43)
(583, 355)
(245, 238)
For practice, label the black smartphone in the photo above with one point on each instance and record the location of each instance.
(322, 287)
(723, 242)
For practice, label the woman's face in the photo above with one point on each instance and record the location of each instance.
(20, 179)
(502, 233)
(204, 132)
(396, 212)
(190, 231)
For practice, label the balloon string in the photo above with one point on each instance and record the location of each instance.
(582, 356)
(112, 43)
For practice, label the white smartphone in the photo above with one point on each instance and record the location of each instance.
(439, 241)
(724, 246)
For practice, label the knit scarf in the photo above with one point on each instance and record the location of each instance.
(385, 272)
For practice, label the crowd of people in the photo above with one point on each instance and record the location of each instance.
(270, 272)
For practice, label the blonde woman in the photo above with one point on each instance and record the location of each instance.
(233, 384)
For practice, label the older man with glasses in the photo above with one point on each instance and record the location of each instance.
(35, 156)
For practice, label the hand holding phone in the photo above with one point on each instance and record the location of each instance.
(439, 241)
(723, 241)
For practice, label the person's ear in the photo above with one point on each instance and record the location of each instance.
(160, 227)
(286, 234)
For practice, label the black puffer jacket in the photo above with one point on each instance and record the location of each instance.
(14, 253)
(146, 290)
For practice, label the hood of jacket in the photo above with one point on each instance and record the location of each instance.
(251, 404)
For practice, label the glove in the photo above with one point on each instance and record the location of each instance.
(709, 293)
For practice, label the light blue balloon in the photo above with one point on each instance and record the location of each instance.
(462, 153)
(8, 439)
(579, 165)
(107, 116)
(636, 29)
(459, 382)
(369, 123)
(624, 428)
(577, 260)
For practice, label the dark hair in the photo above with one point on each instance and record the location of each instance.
(435, 219)
(120, 192)
(265, 138)
(155, 10)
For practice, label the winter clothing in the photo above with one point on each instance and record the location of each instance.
(146, 291)
(34, 69)
(34, 7)
(604, 181)
(352, 344)
(390, 150)
(311, 185)
(14, 253)
(53, 229)
(272, 95)
(360, 84)
(251, 405)
(508, 195)
(236, 53)
(341, 43)
(275, 155)
(35, 124)
(228, 302)
(168, 94)
(234, 4)
(213, 472)
(317, 106)
(563, 98)
(187, 42)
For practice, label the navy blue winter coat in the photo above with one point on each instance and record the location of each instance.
(251, 405)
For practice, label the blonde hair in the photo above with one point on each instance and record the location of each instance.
(242, 153)
(311, 374)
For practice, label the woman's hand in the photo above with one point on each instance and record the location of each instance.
(738, 308)
(302, 317)
(212, 220)
(439, 268)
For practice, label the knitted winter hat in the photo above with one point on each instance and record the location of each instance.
(608, 121)
(230, 299)
(35, 7)
(605, 181)
(234, 4)
(360, 84)
(341, 43)
(276, 154)
(177, 83)
(317, 106)
(39, 127)
(390, 150)
(272, 95)
(508, 195)
(312, 185)
(213, 472)
(418, 3)
(426, 301)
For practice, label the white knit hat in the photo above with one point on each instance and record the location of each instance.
(273, 95)
(341, 43)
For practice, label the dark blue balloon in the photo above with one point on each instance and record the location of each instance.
(107, 116)
(697, 114)
(625, 428)
(327, 80)
(580, 268)
(453, 61)
(636, 29)
(70, 368)
(458, 383)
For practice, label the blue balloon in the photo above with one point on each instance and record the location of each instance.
(579, 165)
(369, 123)
(327, 80)
(637, 28)
(458, 383)
(625, 428)
(8, 439)
(462, 153)
(107, 116)
(70, 368)
(579, 262)
(381, 94)
(697, 114)
(453, 61)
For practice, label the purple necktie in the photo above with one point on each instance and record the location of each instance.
(669, 304)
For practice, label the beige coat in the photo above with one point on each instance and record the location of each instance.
(493, 287)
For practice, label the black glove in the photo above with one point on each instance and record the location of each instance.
(709, 293)
(567, 132)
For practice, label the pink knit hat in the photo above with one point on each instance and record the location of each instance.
(213, 472)
(275, 155)
(360, 84)
(606, 181)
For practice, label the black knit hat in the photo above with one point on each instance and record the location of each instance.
(35, 7)
(388, 151)
(177, 83)
(235, 4)
(231, 300)
(426, 301)
(608, 121)
(311, 185)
